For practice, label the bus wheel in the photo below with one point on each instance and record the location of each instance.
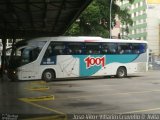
(48, 75)
(121, 72)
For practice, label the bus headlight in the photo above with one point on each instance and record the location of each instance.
(14, 72)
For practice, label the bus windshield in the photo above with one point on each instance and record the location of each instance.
(25, 54)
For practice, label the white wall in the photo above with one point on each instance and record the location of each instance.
(153, 22)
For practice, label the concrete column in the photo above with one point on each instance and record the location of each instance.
(13, 44)
(3, 57)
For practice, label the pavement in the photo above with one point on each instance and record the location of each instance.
(77, 98)
(154, 64)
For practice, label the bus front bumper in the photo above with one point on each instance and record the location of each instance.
(12, 74)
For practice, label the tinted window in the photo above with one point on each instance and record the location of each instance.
(30, 53)
(59, 48)
(74, 48)
(109, 48)
(138, 48)
(78, 48)
(124, 48)
(92, 48)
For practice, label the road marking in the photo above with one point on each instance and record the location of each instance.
(127, 93)
(49, 109)
(145, 110)
(35, 99)
(43, 107)
(38, 88)
(38, 82)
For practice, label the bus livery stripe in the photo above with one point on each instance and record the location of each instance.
(85, 71)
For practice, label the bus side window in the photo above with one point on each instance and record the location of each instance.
(124, 48)
(93, 48)
(57, 48)
(104, 49)
(139, 48)
(60, 52)
(112, 48)
(142, 48)
(49, 52)
(74, 48)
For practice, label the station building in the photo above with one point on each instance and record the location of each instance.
(146, 22)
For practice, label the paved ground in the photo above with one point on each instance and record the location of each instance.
(155, 63)
(57, 100)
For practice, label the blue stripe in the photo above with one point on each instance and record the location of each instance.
(84, 71)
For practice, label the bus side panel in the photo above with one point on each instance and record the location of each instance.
(90, 64)
(67, 66)
(141, 62)
(133, 64)
(98, 65)
(64, 66)
(53, 63)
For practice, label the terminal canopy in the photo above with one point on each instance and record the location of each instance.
(33, 18)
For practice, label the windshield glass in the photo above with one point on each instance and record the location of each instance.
(26, 53)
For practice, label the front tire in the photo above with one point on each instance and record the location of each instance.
(48, 75)
(121, 72)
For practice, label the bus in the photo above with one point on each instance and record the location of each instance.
(49, 58)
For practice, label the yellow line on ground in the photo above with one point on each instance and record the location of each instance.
(35, 99)
(43, 107)
(125, 93)
(138, 111)
(40, 106)
(32, 100)
(38, 82)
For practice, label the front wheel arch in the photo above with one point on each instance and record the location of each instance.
(50, 72)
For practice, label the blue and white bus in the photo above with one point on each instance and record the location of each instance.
(49, 58)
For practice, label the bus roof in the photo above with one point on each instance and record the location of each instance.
(86, 39)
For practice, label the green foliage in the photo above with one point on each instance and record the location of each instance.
(95, 20)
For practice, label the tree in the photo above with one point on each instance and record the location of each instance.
(95, 21)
